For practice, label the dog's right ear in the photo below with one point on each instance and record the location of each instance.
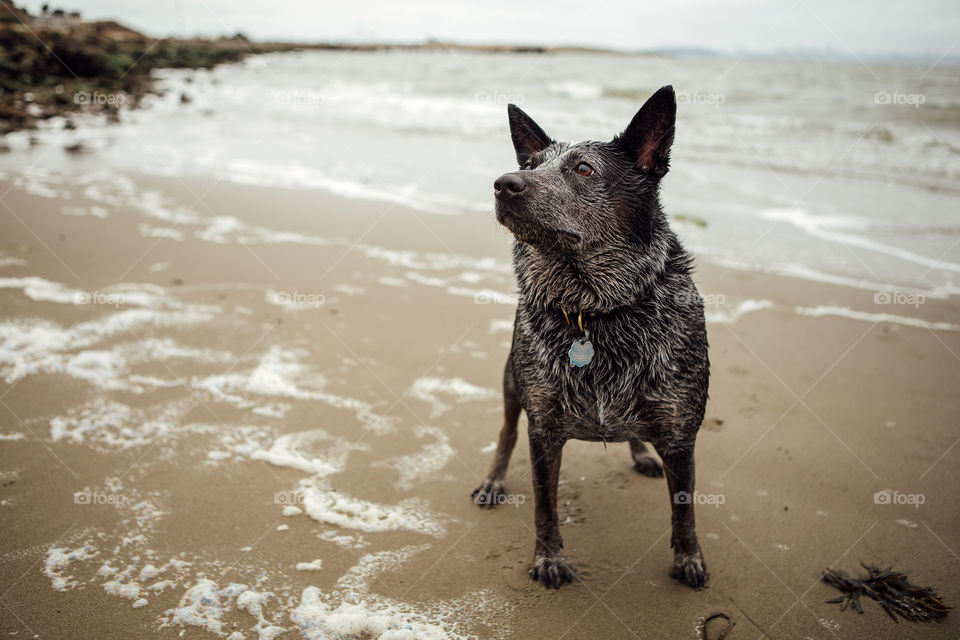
(528, 137)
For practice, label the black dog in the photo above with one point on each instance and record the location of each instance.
(609, 342)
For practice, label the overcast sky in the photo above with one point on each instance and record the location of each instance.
(867, 28)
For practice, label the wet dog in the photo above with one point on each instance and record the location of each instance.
(609, 341)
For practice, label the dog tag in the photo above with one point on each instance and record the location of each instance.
(581, 353)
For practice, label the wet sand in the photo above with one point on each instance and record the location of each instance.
(228, 346)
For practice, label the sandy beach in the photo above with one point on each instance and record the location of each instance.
(260, 412)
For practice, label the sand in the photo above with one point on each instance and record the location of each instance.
(355, 360)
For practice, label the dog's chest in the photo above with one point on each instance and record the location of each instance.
(602, 400)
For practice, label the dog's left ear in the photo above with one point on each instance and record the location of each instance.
(528, 137)
(650, 134)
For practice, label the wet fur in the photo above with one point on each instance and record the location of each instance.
(600, 245)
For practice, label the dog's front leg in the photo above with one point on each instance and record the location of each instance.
(688, 565)
(490, 492)
(549, 566)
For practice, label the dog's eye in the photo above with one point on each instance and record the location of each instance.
(584, 169)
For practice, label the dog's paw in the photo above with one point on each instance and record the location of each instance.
(648, 465)
(551, 571)
(488, 494)
(690, 569)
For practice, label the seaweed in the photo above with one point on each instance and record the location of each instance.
(892, 590)
(683, 217)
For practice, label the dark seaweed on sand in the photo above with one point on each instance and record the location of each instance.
(892, 591)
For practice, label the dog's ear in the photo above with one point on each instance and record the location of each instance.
(650, 134)
(528, 137)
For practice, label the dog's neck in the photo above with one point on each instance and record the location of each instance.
(597, 281)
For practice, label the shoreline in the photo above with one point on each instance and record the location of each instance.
(482, 242)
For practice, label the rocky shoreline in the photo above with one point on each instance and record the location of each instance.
(55, 64)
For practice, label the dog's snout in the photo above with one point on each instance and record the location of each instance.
(508, 185)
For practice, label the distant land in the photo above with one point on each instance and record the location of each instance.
(55, 63)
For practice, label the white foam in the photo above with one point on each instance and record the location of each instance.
(130, 590)
(844, 312)
(486, 295)
(203, 606)
(128, 294)
(279, 373)
(149, 572)
(110, 425)
(149, 231)
(238, 443)
(804, 272)
(314, 565)
(353, 611)
(253, 602)
(349, 289)
(941, 291)
(499, 326)
(429, 281)
(344, 540)
(294, 451)
(42, 290)
(391, 282)
(228, 229)
(12, 436)
(819, 227)
(331, 507)
(417, 467)
(743, 308)
(58, 561)
(415, 261)
(29, 347)
(577, 90)
(427, 389)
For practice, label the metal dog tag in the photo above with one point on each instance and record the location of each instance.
(581, 352)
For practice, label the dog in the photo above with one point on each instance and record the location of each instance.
(609, 341)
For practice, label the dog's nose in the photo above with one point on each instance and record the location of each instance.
(508, 185)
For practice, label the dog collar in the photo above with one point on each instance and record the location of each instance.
(581, 318)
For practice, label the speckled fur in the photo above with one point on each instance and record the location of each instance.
(600, 245)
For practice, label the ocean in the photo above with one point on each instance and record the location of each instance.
(845, 173)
